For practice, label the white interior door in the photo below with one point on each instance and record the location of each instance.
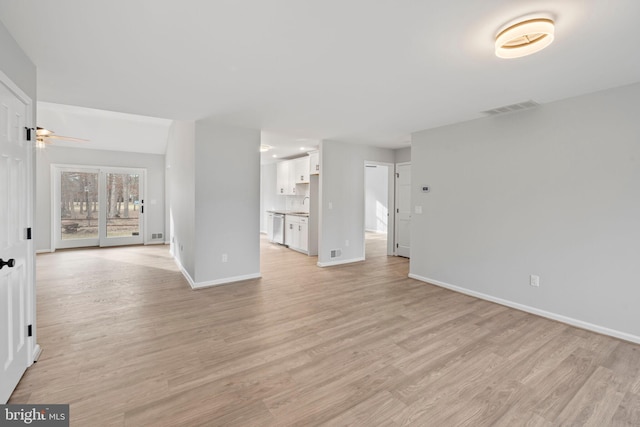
(403, 209)
(16, 252)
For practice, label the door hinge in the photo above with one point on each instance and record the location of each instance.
(28, 133)
(28, 233)
(30, 330)
(397, 175)
(397, 246)
(398, 210)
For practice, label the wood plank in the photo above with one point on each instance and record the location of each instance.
(127, 342)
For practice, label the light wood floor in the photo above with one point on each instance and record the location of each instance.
(127, 342)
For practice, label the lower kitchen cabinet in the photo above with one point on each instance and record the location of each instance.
(296, 234)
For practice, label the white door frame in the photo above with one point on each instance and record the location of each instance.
(395, 210)
(102, 240)
(33, 349)
(57, 243)
(390, 203)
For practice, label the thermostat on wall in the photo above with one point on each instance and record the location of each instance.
(425, 189)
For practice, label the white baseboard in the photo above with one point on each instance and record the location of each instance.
(226, 280)
(543, 313)
(44, 251)
(154, 243)
(37, 351)
(184, 272)
(339, 262)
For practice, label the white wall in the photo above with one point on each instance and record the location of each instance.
(180, 193)
(153, 163)
(17, 66)
(342, 185)
(553, 191)
(105, 130)
(269, 199)
(376, 198)
(403, 155)
(227, 194)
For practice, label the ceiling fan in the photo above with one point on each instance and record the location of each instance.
(45, 136)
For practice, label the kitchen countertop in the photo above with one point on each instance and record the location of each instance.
(294, 213)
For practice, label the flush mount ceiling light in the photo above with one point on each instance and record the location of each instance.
(524, 38)
(265, 147)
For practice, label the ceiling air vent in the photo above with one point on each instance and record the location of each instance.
(511, 108)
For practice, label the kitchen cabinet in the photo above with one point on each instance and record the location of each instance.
(296, 235)
(285, 185)
(301, 170)
(303, 231)
(291, 173)
(314, 163)
(289, 222)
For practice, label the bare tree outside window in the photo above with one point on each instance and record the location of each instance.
(79, 205)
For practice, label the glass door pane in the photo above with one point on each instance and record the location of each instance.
(79, 205)
(123, 205)
(98, 207)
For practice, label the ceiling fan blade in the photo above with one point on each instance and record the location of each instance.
(42, 132)
(67, 138)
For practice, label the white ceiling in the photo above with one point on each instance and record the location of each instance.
(351, 70)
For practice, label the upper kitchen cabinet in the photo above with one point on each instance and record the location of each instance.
(301, 168)
(284, 184)
(291, 173)
(314, 162)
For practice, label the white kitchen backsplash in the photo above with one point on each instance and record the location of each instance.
(297, 203)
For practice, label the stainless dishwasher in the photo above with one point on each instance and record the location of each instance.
(277, 223)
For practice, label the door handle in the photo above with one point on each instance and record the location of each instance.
(9, 263)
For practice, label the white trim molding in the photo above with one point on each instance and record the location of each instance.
(184, 272)
(543, 313)
(226, 280)
(340, 262)
(37, 351)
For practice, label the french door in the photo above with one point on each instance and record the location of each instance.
(97, 206)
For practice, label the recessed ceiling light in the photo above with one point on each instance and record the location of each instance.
(524, 38)
(302, 148)
(265, 147)
(275, 155)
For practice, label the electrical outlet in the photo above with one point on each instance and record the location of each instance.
(534, 280)
(225, 258)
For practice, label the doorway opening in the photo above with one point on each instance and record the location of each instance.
(97, 206)
(378, 212)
